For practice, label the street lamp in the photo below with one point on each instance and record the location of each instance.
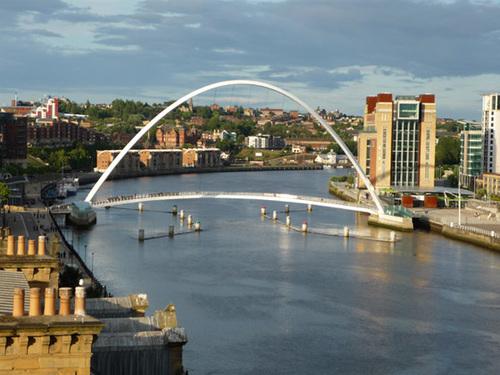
(459, 195)
(462, 151)
(85, 253)
(92, 262)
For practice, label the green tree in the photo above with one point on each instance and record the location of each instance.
(92, 112)
(226, 145)
(213, 123)
(4, 192)
(453, 180)
(135, 120)
(448, 151)
(59, 159)
(4, 196)
(70, 277)
(118, 106)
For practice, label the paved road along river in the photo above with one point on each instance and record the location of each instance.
(258, 298)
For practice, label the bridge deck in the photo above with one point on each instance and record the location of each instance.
(316, 201)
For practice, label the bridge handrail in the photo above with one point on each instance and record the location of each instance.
(136, 197)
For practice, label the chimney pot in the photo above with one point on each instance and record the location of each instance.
(18, 302)
(21, 244)
(31, 247)
(80, 300)
(11, 245)
(50, 301)
(41, 245)
(65, 295)
(35, 302)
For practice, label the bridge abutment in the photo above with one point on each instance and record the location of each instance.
(403, 224)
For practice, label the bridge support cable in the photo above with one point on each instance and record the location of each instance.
(213, 86)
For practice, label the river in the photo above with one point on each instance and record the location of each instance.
(258, 298)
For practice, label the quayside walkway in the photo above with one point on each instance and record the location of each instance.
(289, 198)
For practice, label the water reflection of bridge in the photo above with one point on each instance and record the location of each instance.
(277, 197)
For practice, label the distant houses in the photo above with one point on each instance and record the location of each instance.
(333, 160)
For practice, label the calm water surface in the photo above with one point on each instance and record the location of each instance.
(258, 298)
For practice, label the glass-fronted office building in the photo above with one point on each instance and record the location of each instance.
(397, 144)
(471, 153)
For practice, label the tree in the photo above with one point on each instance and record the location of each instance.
(448, 151)
(4, 192)
(70, 277)
(226, 145)
(4, 196)
(92, 112)
(59, 159)
(453, 180)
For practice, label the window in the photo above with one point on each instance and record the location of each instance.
(408, 110)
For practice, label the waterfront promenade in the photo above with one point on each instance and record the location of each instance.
(478, 222)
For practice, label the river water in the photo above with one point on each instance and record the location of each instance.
(258, 298)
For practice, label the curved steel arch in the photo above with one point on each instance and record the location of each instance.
(229, 83)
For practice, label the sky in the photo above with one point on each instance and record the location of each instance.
(329, 53)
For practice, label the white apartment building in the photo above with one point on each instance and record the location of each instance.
(49, 109)
(491, 129)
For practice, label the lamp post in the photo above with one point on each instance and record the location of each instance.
(85, 253)
(459, 195)
(462, 150)
(92, 262)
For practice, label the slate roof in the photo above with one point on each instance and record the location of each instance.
(9, 280)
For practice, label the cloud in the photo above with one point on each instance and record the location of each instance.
(318, 47)
(23, 6)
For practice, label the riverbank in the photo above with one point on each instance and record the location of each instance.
(479, 223)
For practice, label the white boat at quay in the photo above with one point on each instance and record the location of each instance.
(66, 187)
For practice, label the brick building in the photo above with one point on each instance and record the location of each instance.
(131, 162)
(159, 160)
(397, 144)
(59, 133)
(13, 145)
(201, 157)
(171, 137)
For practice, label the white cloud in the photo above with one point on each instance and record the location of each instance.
(229, 50)
(106, 7)
(334, 53)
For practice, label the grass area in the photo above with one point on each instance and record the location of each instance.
(250, 154)
(271, 157)
(36, 162)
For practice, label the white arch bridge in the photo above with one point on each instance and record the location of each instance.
(277, 197)
(359, 170)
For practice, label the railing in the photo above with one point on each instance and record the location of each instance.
(214, 194)
(60, 208)
(483, 232)
(75, 254)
